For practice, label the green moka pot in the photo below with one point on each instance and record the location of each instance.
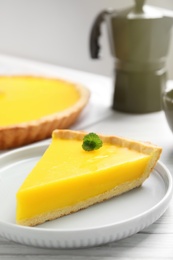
(139, 40)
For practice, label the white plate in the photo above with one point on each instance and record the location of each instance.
(109, 221)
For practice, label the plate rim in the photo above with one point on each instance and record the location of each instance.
(158, 165)
(167, 196)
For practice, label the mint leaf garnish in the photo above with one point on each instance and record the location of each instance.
(91, 142)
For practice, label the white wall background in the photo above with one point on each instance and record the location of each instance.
(57, 31)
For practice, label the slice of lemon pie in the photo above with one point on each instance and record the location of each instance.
(68, 178)
(32, 107)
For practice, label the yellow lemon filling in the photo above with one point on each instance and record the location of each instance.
(67, 175)
(23, 99)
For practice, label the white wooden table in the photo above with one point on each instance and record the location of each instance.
(155, 242)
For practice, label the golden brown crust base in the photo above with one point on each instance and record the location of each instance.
(145, 148)
(26, 133)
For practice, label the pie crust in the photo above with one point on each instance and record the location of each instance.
(141, 147)
(25, 133)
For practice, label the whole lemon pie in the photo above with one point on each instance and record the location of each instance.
(32, 107)
(69, 178)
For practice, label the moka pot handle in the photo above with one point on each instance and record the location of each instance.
(95, 34)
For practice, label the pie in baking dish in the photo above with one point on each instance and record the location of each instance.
(67, 178)
(32, 107)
